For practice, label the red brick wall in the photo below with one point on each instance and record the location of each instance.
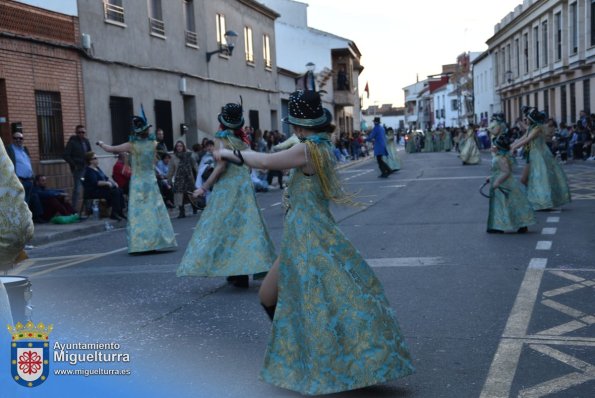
(36, 22)
(27, 66)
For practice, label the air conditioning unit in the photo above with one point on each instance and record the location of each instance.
(86, 41)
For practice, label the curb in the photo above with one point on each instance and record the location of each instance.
(80, 229)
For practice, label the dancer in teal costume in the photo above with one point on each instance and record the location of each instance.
(509, 208)
(230, 238)
(547, 186)
(428, 142)
(149, 227)
(392, 160)
(468, 147)
(446, 140)
(333, 329)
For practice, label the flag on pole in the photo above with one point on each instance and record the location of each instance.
(367, 90)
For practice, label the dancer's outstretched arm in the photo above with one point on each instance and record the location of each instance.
(288, 159)
(125, 147)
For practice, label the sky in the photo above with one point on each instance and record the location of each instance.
(399, 39)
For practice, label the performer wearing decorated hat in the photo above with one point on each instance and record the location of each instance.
(497, 126)
(149, 227)
(546, 182)
(468, 147)
(509, 208)
(230, 238)
(16, 226)
(392, 158)
(333, 328)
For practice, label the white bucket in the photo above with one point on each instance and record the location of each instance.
(18, 289)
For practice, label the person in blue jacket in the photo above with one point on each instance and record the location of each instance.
(378, 135)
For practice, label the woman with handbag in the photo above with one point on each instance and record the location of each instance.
(333, 328)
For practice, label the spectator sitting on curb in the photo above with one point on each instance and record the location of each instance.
(46, 203)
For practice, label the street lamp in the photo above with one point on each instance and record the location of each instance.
(508, 75)
(227, 48)
(310, 83)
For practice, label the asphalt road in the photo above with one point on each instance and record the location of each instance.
(484, 315)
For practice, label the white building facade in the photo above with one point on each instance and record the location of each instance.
(544, 56)
(297, 45)
(486, 100)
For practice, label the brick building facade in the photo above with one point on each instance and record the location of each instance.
(41, 88)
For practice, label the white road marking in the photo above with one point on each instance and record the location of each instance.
(421, 179)
(549, 231)
(404, 262)
(78, 261)
(276, 204)
(553, 219)
(544, 245)
(570, 277)
(586, 372)
(563, 308)
(556, 340)
(563, 329)
(505, 362)
(393, 186)
(507, 356)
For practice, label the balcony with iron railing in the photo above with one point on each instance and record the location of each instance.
(191, 39)
(157, 27)
(113, 13)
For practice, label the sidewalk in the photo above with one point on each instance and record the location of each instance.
(48, 233)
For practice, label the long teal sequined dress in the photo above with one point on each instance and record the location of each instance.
(428, 142)
(333, 329)
(392, 160)
(547, 186)
(469, 150)
(509, 207)
(231, 237)
(149, 227)
(446, 140)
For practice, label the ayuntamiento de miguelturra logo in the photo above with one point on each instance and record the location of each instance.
(29, 353)
(30, 356)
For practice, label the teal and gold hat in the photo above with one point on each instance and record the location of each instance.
(139, 125)
(305, 110)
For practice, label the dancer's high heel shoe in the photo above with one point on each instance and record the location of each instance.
(239, 280)
(270, 310)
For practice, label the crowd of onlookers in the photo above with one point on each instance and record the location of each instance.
(566, 141)
(179, 172)
(182, 170)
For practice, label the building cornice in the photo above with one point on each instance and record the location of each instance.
(261, 8)
(518, 20)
